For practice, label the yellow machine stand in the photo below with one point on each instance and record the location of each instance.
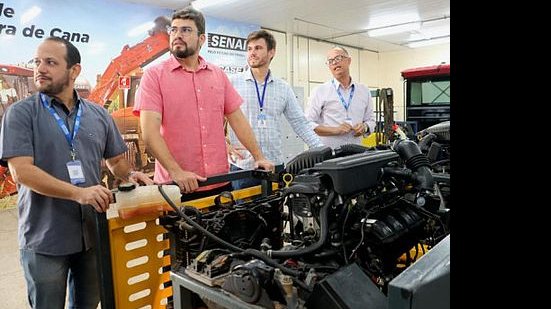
(140, 266)
(371, 139)
(134, 260)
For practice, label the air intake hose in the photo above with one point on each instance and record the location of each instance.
(308, 159)
(416, 161)
(349, 149)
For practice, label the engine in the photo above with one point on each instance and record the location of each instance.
(349, 219)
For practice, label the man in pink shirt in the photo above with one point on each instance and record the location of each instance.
(182, 102)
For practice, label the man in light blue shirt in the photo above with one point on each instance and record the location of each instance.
(266, 99)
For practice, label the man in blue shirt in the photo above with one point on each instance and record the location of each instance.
(54, 142)
(266, 99)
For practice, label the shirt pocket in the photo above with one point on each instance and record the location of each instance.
(217, 94)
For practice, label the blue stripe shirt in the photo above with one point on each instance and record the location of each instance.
(279, 101)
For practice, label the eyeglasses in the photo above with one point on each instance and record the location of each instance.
(186, 31)
(335, 60)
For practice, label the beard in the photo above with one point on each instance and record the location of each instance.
(55, 88)
(257, 64)
(184, 53)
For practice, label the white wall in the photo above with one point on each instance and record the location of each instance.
(278, 66)
(300, 63)
(370, 69)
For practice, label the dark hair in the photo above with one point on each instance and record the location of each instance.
(191, 14)
(72, 54)
(262, 34)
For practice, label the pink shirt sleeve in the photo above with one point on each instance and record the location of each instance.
(148, 95)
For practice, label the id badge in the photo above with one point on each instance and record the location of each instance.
(75, 172)
(348, 120)
(261, 120)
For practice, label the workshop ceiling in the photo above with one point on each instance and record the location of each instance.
(344, 22)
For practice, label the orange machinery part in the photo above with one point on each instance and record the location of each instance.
(129, 60)
(7, 185)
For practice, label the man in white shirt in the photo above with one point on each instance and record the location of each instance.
(341, 110)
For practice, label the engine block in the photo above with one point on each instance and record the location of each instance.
(363, 211)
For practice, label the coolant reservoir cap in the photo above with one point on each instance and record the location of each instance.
(127, 186)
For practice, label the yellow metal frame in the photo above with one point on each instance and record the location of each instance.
(246, 193)
(144, 233)
(371, 139)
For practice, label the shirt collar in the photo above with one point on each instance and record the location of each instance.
(337, 83)
(174, 64)
(50, 100)
(249, 76)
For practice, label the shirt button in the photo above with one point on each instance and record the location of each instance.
(204, 146)
(200, 108)
(198, 90)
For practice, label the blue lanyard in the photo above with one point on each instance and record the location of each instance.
(70, 138)
(343, 102)
(261, 100)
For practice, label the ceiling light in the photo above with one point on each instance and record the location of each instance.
(388, 19)
(433, 41)
(418, 37)
(394, 29)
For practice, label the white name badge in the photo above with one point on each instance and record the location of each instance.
(348, 119)
(75, 172)
(261, 120)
